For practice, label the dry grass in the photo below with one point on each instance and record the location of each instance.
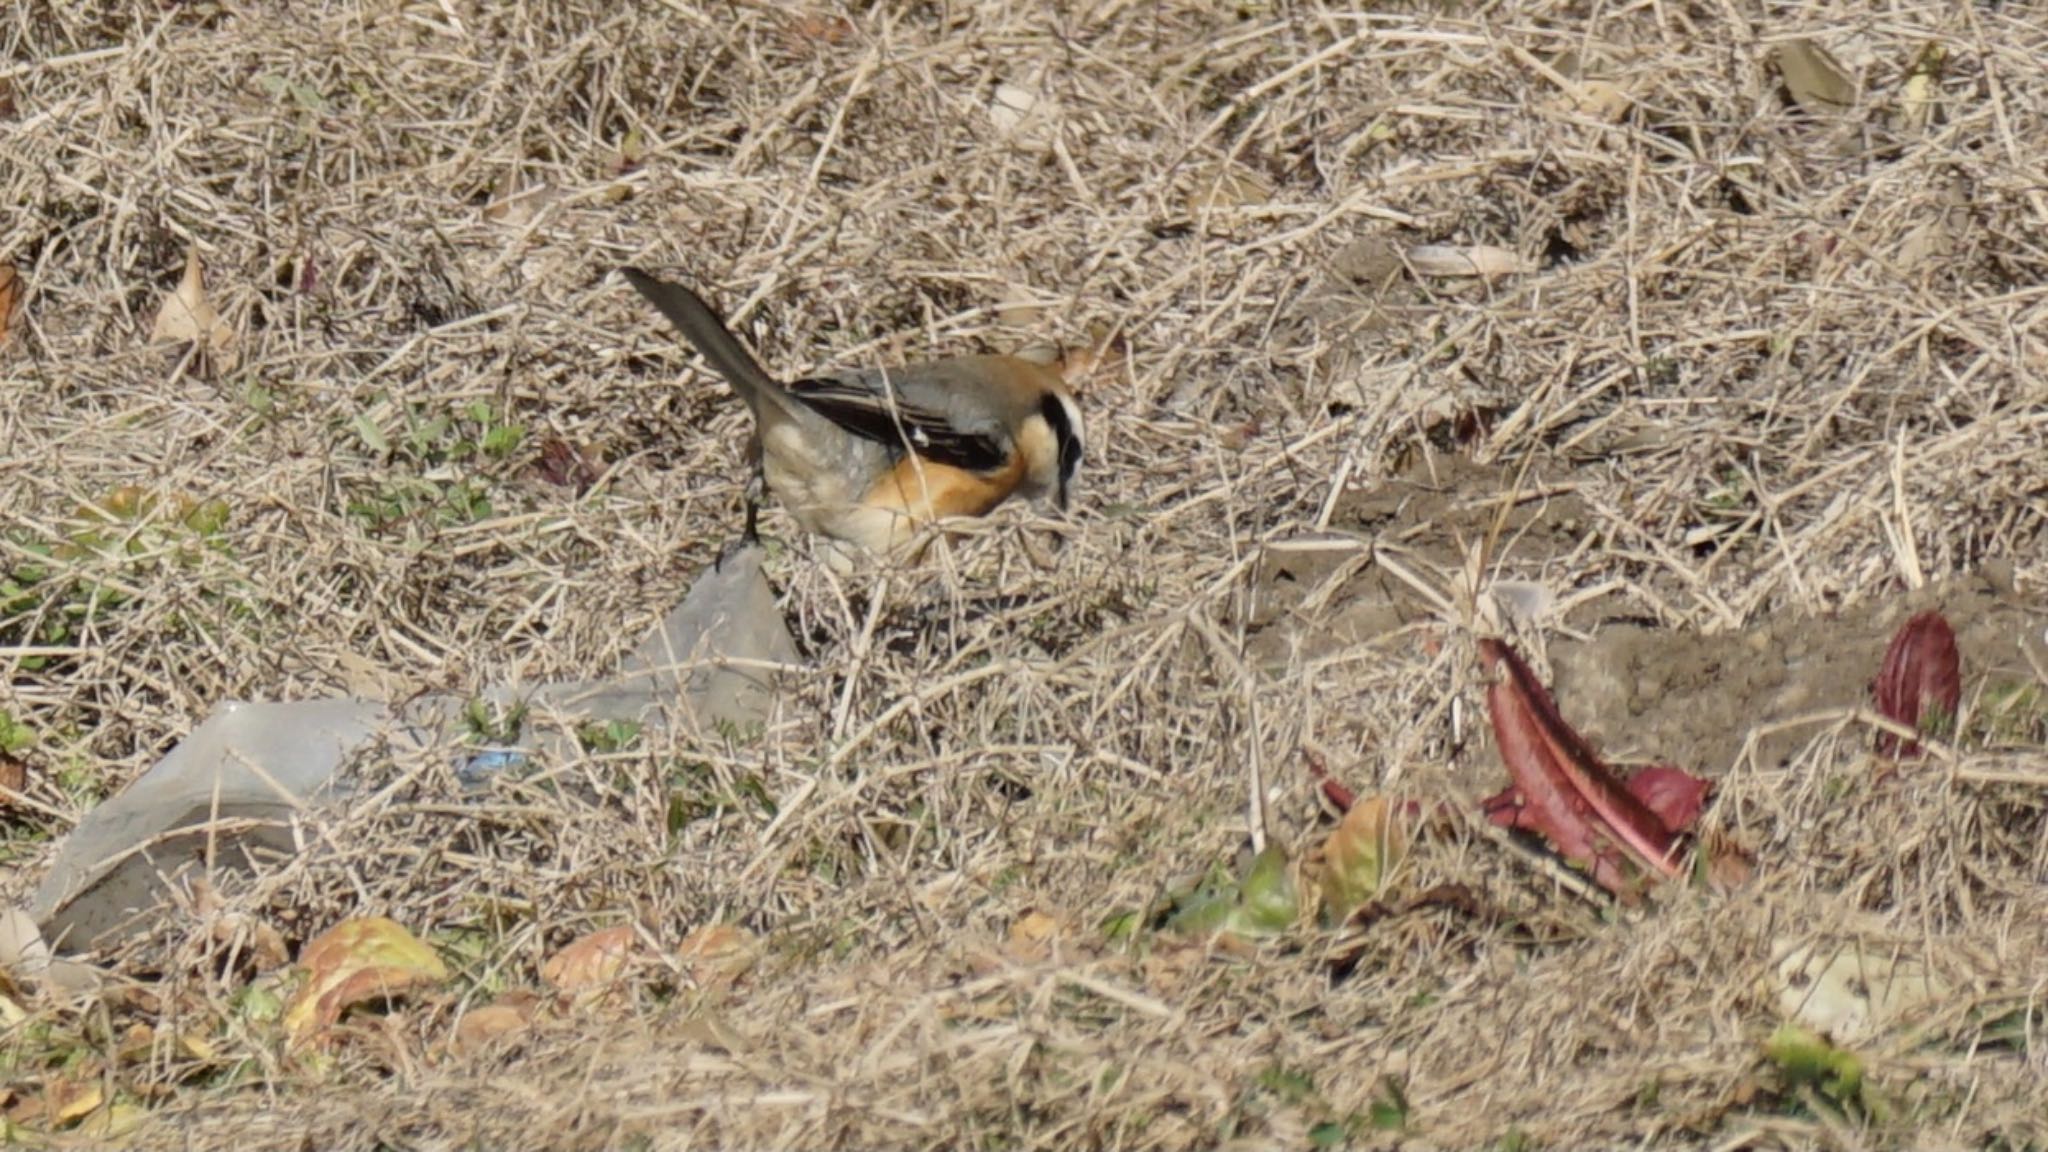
(1742, 364)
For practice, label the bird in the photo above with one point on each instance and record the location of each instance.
(870, 456)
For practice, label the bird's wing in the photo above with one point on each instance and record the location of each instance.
(865, 405)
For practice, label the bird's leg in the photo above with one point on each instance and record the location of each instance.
(750, 532)
(757, 487)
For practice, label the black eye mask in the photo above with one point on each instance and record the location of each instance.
(1062, 426)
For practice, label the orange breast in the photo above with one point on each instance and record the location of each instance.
(924, 491)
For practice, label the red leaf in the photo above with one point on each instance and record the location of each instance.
(1340, 797)
(1673, 794)
(1920, 683)
(1563, 791)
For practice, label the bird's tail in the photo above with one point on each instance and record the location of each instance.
(695, 319)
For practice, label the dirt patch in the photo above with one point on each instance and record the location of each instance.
(1640, 690)
(1757, 698)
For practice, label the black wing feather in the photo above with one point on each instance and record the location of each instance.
(897, 424)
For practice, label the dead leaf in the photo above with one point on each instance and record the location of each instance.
(195, 1046)
(1588, 95)
(13, 291)
(1359, 856)
(258, 941)
(117, 1119)
(1602, 100)
(713, 1031)
(356, 961)
(61, 1102)
(1921, 92)
(1925, 243)
(1032, 936)
(1022, 115)
(516, 198)
(632, 150)
(1228, 185)
(1816, 81)
(566, 465)
(8, 106)
(13, 777)
(1477, 260)
(1673, 795)
(718, 954)
(1849, 989)
(482, 1027)
(186, 315)
(592, 963)
(1730, 866)
(23, 951)
(1020, 306)
(1920, 682)
(810, 32)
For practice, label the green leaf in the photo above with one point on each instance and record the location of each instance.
(1803, 1057)
(1329, 1134)
(371, 435)
(1288, 1084)
(503, 439)
(1270, 901)
(1389, 1111)
(1205, 911)
(1120, 926)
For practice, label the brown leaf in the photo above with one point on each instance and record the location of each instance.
(1032, 936)
(1561, 788)
(810, 32)
(567, 465)
(1480, 260)
(509, 1015)
(1228, 185)
(13, 777)
(591, 963)
(187, 315)
(258, 942)
(1920, 683)
(718, 953)
(8, 106)
(1729, 865)
(355, 961)
(1602, 99)
(64, 1099)
(1816, 81)
(111, 1122)
(713, 1031)
(1365, 849)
